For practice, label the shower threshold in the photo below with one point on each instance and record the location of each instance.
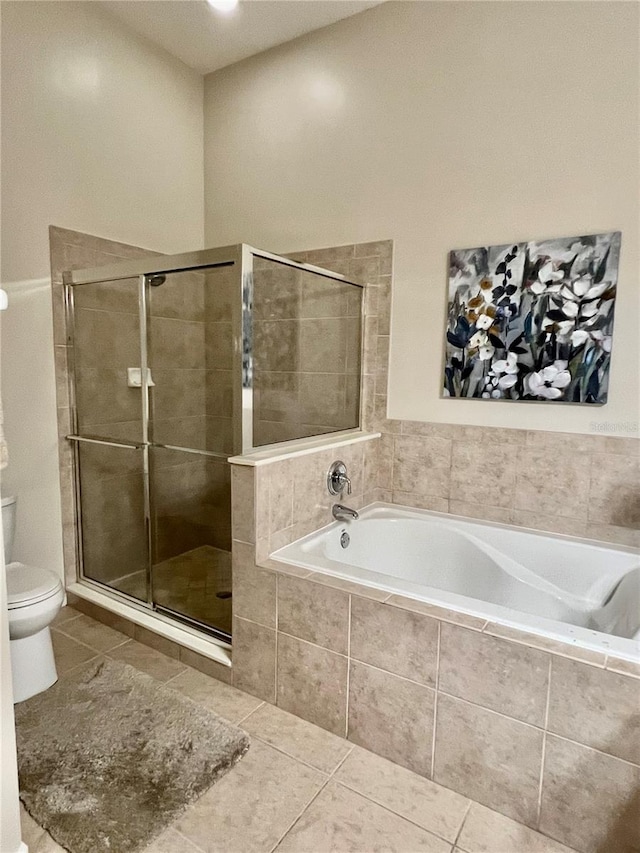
(185, 634)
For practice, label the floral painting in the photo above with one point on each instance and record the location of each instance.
(532, 321)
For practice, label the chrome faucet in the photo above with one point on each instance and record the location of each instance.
(337, 479)
(344, 513)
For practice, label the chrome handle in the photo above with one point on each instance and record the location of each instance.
(337, 479)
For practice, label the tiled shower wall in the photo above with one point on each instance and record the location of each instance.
(306, 351)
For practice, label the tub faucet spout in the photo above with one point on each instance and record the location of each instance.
(343, 513)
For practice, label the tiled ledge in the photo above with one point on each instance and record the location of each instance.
(302, 447)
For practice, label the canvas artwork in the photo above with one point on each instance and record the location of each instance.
(532, 321)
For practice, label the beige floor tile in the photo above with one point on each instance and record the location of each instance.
(297, 738)
(64, 615)
(431, 806)
(147, 660)
(69, 653)
(486, 831)
(171, 842)
(252, 807)
(93, 634)
(35, 837)
(220, 698)
(341, 821)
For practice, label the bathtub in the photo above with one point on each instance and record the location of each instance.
(572, 590)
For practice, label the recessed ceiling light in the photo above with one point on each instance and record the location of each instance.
(223, 5)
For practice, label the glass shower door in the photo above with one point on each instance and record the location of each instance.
(110, 452)
(191, 433)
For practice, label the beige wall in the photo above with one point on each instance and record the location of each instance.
(101, 132)
(440, 125)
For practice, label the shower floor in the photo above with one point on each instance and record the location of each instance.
(190, 584)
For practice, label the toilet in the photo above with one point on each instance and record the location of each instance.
(34, 597)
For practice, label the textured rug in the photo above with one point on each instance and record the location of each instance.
(108, 757)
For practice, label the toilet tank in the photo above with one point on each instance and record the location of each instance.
(8, 526)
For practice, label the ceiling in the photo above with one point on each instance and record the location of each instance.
(207, 40)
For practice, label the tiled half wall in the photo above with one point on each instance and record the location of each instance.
(541, 731)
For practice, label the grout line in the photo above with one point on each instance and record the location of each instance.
(459, 833)
(392, 811)
(346, 715)
(246, 716)
(276, 645)
(435, 704)
(351, 746)
(293, 823)
(544, 744)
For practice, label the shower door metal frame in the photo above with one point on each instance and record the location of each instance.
(240, 256)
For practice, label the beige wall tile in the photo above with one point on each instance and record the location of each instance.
(242, 503)
(486, 831)
(281, 500)
(614, 496)
(626, 667)
(549, 523)
(254, 659)
(529, 638)
(399, 641)
(340, 819)
(611, 533)
(552, 483)
(505, 677)
(590, 801)
(422, 465)
(313, 612)
(595, 707)
(254, 589)
(493, 466)
(349, 586)
(417, 501)
(442, 613)
(422, 802)
(296, 737)
(490, 758)
(391, 716)
(312, 683)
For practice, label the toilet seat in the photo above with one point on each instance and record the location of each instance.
(27, 585)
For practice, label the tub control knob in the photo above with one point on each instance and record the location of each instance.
(337, 479)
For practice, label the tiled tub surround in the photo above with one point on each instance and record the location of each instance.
(542, 731)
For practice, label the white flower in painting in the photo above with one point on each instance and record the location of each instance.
(549, 274)
(579, 337)
(484, 322)
(479, 339)
(549, 382)
(506, 365)
(486, 352)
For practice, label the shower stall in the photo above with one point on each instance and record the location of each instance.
(176, 364)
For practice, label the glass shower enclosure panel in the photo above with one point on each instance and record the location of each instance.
(190, 322)
(307, 341)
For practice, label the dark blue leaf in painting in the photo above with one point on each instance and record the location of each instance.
(455, 341)
(509, 274)
(556, 315)
(510, 289)
(463, 324)
(528, 325)
(602, 268)
(501, 268)
(467, 370)
(518, 350)
(505, 302)
(495, 340)
(498, 291)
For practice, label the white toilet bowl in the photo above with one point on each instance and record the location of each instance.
(35, 596)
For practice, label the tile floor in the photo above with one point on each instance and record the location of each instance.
(299, 789)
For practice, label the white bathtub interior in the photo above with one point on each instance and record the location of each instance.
(575, 590)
